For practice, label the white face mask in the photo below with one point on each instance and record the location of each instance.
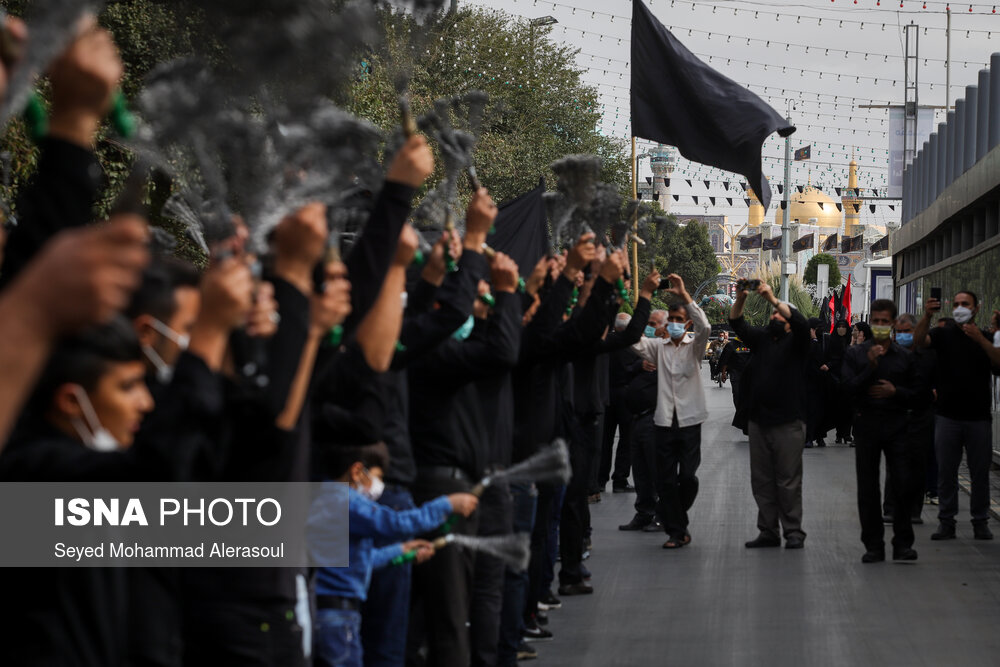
(164, 371)
(373, 492)
(92, 433)
(961, 314)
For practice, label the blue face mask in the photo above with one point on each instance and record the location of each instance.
(464, 331)
(676, 329)
(904, 339)
(649, 331)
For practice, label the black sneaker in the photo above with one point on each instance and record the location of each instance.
(873, 556)
(622, 488)
(526, 652)
(575, 589)
(904, 554)
(637, 523)
(550, 600)
(944, 532)
(981, 531)
(533, 633)
(654, 526)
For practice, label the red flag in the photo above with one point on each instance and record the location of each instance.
(846, 300)
(833, 312)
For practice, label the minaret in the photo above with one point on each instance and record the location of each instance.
(662, 160)
(756, 213)
(851, 198)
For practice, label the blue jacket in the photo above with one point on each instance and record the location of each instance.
(368, 521)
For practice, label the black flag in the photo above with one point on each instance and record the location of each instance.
(803, 243)
(830, 243)
(522, 230)
(680, 101)
(750, 242)
(772, 243)
(881, 245)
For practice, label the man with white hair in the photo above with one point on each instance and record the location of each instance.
(775, 393)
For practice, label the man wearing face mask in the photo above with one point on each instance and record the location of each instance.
(774, 389)
(880, 377)
(965, 356)
(78, 426)
(680, 410)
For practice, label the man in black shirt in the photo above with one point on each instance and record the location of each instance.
(879, 376)
(776, 411)
(640, 399)
(733, 361)
(965, 356)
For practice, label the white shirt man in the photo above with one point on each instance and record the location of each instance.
(680, 409)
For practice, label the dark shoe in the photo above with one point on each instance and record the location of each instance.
(616, 488)
(525, 652)
(550, 600)
(874, 556)
(762, 541)
(821, 443)
(944, 532)
(533, 633)
(809, 445)
(904, 554)
(637, 523)
(585, 573)
(982, 532)
(794, 542)
(887, 519)
(653, 526)
(575, 589)
(541, 618)
(917, 520)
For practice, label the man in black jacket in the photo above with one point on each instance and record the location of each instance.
(880, 377)
(450, 446)
(776, 410)
(640, 399)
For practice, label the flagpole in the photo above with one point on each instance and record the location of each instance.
(785, 229)
(635, 230)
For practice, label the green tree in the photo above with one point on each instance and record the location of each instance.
(539, 110)
(757, 311)
(684, 250)
(822, 258)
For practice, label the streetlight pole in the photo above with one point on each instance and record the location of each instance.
(785, 228)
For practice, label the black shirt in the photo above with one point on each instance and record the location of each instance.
(734, 358)
(963, 375)
(777, 371)
(896, 366)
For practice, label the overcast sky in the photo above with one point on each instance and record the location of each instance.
(827, 114)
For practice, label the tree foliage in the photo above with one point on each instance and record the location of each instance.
(539, 110)
(757, 311)
(822, 258)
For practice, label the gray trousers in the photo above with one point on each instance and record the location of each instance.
(776, 476)
(950, 438)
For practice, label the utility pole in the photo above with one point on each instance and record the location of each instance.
(785, 228)
(947, 60)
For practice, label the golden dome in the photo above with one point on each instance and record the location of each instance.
(805, 205)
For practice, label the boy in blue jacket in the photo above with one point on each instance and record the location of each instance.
(341, 591)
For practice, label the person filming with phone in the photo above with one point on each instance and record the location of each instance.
(776, 410)
(680, 408)
(965, 356)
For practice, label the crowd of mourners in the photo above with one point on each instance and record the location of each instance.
(124, 365)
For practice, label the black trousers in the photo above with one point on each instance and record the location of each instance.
(576, 511)
(442, 590)
(617, 418)
(495, 518)
(678, 455)
(643, 443)
(878, 434)
(539, 547)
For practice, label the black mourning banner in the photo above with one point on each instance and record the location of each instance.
(830, 243)
(837, 190)
(840, 208)
(712, 199)
(852, 244)
(680, 101)
(803, 153)
(882, 245)
(649, 180)
(803, 243)
(772, 244)
(726, 184)
(522, 231)
(730, 200)
(750, 242)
